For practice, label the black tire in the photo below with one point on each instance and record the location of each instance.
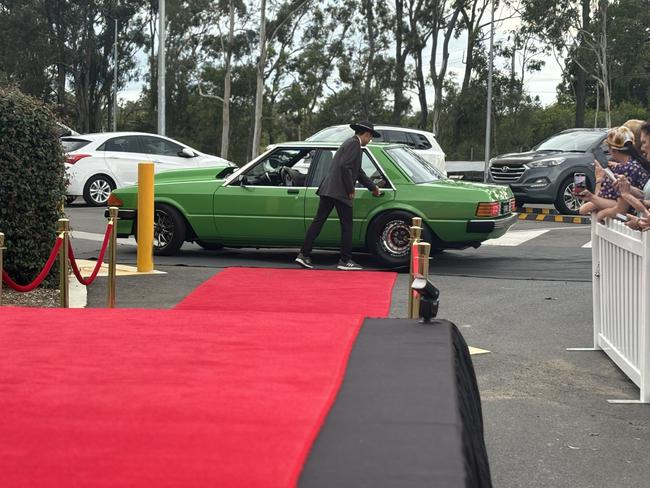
(97, 190)
(169, 230)
(210, 246)
(388, 238)
(565, 202)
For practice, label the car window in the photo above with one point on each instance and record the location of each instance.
(283, 167)
(121, 144)
(399, 137)
(71, 144)
(372, 171)
(417, 169)
(578, 141)
(161, 147)
(421, 142)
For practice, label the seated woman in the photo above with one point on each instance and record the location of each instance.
(608, 201)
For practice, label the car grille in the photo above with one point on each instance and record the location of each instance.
(506, 173)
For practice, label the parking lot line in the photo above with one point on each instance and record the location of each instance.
(515, 237)
(89, 236)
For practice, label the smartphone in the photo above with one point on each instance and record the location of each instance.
(579, 183)
(622, 218)
(600, 156)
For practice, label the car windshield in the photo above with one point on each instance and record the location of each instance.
(71, 144)
(332, 134)
(579, 141)
(416, 168)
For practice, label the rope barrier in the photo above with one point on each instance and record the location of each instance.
(39, 279)
(100, 259)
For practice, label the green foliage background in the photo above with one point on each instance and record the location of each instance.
(32, 184)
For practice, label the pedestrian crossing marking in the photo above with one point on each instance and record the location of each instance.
(473, 351)
(588, 245)
(515, 237)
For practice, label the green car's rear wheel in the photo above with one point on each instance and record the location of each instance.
(388, 238)
(169, 230)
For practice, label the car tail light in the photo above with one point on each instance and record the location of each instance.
(490, 209)
(73, 158)
(114, 201)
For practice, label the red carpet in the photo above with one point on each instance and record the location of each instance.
(367, 293)
(177, 397)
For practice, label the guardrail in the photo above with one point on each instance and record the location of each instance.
(621, 305)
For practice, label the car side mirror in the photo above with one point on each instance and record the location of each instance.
(186, 152)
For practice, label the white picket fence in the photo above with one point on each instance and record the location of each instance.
(621, 289)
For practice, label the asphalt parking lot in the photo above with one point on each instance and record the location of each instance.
(525, 298)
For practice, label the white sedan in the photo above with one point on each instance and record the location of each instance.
(96, 164)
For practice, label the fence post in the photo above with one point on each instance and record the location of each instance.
(64, 228)
(415, 232)
(2, 248)
(644, 362)
(112, 256)
(597, 299)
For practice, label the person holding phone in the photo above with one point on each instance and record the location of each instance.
(608, 202)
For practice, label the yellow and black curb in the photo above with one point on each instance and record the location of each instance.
(549, 215)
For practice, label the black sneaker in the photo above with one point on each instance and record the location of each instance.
(349, 266)
(304, 261)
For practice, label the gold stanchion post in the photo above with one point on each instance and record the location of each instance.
(423, 252)
(112, 256)
(145, 217)
(415, 235)
(2, 248)
(64, 278)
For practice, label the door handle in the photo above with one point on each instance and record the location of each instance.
(294, 191)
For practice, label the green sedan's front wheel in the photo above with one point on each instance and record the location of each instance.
(388, 238)
(169, 230)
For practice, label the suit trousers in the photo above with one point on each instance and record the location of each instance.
(345, 217)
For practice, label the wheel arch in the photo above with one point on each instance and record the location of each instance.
(191, 235)
(385, 209)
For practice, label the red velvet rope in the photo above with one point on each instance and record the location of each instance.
(100, 259)
(39, 279)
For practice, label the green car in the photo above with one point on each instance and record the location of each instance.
(271, 201)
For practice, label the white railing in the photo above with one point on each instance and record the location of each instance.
(621, 288)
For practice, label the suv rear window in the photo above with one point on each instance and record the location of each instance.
(70, 144)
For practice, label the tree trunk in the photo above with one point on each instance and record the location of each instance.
(259, 91)
(581, 78)
(370, 25)
(225, 113)
(422, 89)
(400, 60)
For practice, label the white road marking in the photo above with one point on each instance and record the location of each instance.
(588, 245)
(515, 237)
(89, 236)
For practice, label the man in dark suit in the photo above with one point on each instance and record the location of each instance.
(337, 191)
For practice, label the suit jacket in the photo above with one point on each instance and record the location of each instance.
(344, 173)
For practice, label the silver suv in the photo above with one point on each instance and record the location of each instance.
(545, 174)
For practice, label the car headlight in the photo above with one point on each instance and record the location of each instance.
(545, 163)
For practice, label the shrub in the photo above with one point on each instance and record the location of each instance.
(32, 184)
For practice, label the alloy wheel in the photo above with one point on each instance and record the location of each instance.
(99, 191)
(570, 200)
(395, 238)
(163, 229)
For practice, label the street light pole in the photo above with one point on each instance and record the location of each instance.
(488, 117)
(161, 68)
(115, 80)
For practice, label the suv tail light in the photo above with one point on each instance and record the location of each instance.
(490, 209)
(73, 158)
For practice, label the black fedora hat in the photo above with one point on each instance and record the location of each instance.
(365, 126)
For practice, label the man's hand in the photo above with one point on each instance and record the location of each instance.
(351, 196)
(377, 192)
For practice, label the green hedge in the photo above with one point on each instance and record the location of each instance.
(32, 184)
